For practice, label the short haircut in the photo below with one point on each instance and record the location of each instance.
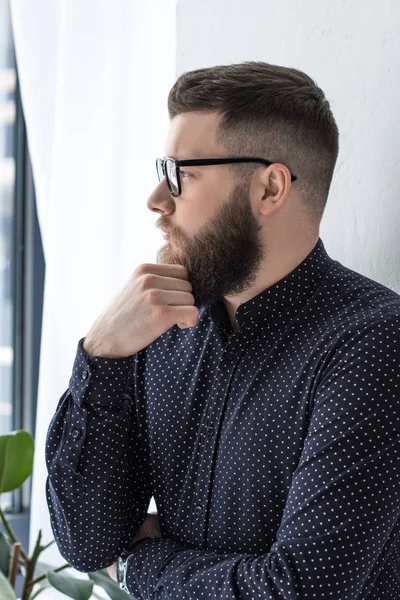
(269, 111)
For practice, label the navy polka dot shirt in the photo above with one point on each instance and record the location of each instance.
(272, 451)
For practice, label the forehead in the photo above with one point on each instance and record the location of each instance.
(192, 135)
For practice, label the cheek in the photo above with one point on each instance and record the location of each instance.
(199, 205)
(194, 218)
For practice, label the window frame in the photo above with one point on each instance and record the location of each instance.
(27, 297)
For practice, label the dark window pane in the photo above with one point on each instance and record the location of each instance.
(7, 183)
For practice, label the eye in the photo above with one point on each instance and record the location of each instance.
(185, 174)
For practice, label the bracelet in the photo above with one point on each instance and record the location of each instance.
(122, 564)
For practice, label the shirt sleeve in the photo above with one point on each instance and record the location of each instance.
(98, 485)
(341, 517)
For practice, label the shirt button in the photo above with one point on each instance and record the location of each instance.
(231, 355)
(198, 510)
(210, 431)
(76, 433)
(84, 374)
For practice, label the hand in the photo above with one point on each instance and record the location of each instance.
(149, 528)
(155, 297)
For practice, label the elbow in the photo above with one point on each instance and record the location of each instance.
(86, 562)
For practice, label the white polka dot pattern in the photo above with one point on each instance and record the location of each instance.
(272, 452)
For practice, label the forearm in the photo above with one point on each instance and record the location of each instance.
(97, 489)
(164, 569)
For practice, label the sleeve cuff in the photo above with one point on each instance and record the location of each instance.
(145, 562)
(99, 380)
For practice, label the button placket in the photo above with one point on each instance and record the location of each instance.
(210, 431)
(201, 493)
(215, 412)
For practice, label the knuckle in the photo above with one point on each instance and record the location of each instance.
(138, 270)
(152, 294)
(142, 269)
(146, 281)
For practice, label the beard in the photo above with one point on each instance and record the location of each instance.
(224, 256)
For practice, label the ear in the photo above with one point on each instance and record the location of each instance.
(274, 187)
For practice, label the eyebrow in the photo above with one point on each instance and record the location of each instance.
(193, 155)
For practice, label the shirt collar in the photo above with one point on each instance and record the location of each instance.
(297, 286)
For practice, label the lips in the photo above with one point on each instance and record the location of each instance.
(166, 234)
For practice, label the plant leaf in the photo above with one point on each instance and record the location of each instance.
(78, 589)
(16, 459)
(110, 586)
(6, 591)
(5, 555)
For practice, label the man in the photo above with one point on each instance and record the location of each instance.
(247, 381)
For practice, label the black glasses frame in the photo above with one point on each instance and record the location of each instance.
(163, 172)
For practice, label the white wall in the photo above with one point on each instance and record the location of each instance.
(351, 50)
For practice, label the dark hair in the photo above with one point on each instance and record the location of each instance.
(275, 112)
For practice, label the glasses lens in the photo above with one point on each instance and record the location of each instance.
(171, 175)
(159, 167)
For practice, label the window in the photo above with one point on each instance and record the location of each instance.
(7, 188)
(21, 272)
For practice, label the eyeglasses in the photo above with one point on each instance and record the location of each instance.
(169, 168)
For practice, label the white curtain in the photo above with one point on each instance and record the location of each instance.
(94, 76)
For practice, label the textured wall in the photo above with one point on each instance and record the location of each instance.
(351, 50)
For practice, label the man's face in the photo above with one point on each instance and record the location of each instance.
(213, 231)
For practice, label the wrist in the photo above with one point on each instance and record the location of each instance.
(148, 537)
(92, 347)
(122, 564)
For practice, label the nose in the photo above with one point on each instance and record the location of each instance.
(160, 200)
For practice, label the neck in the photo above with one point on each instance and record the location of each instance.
(278, 263)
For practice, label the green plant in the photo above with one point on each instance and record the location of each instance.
(16, 463)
